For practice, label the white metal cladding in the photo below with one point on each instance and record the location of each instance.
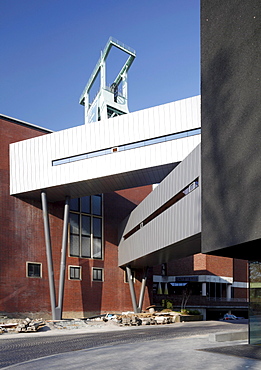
(175, 232)
(31, 160)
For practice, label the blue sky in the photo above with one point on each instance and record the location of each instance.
(50, 47)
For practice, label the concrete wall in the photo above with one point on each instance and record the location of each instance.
(231, 130)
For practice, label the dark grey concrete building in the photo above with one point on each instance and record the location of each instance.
(231, 132)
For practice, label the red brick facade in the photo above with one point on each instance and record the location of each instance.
(21, 234)
(22, 240)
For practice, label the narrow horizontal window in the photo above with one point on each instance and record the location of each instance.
(124, 147)
(188, 189)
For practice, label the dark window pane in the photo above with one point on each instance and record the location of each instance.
(97, 227)
(74, 245)
(74, 204)
(97, 274)
(96, 205)
(86, 225)
(86, 246)
(34, 269)
(75, 273)
(74, 223)
(97, 248)
(86, 204)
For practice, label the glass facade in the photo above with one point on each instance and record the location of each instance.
(86, 227)
(255, 302)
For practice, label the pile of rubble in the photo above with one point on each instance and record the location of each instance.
(136, 319)
(30, 325)
(123, 319)
(21, 326)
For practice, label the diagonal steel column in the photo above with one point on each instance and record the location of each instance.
(56, 310)
(59, 309)
(132, 291)
(142, 291)
(49, 253)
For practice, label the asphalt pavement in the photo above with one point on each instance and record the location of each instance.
(174, 346)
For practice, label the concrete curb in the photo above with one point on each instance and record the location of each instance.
(228, 336)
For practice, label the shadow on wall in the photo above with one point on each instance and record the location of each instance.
(117, 208)
(103, 296)
(230, 155)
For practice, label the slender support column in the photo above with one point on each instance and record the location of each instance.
(49, 253)
(132, 291)
(63, 256)
(229, 288)
(142, 292)
(204, 289)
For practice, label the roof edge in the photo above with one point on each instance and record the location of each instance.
(20, 122)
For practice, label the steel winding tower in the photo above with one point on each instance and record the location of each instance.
(112, 100)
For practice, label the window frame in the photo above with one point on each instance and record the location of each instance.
(69, 272)
(102, 274)
(34, 263)
(81, 214)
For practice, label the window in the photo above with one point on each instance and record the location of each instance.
(86, 227)
(192, 186)
(129, 146)
(163, 269)
(33, 269)
(97, 274)
(75, 273)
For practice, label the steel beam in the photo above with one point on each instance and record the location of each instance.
(56, 310)
(49, 253)
(63, 256)
(132, 291)
(142, 291)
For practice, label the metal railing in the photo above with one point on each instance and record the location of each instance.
(224, 299)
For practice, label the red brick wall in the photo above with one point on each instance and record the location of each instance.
(222, 266)
(240, 293)
(111, 295)
(201, 264)
(21, 237)
(240, 270)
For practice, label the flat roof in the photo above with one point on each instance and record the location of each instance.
(20, 122)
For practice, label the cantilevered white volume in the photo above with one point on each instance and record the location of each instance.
(125, 151)
(167, 223)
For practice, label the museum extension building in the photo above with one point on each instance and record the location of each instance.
(136, 209)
